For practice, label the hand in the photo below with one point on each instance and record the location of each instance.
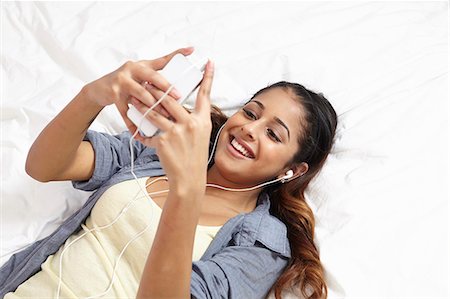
(126, 83)
(183, 147)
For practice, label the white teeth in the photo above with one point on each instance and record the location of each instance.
(240, 148)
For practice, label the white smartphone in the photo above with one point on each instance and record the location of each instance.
(185, 75)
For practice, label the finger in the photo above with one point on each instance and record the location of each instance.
(203, 104)
(141, 107)
(139, 92)
(149, 142)
(139, 138)
(143, 94)
(161, 62)
(175, 110)
(155, 118)
(142, 74)
(158, 108)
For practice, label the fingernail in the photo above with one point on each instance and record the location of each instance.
(175, 93)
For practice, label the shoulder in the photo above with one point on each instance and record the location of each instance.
(117, 147)
(245, 258)
(249, 264)
(261, 228)
(114, 157)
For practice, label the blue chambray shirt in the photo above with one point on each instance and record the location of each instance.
(244, 259)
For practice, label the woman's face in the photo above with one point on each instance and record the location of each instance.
(259, 140)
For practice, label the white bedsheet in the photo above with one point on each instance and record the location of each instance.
(381, 201)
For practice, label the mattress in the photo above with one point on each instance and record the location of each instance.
(381, 200)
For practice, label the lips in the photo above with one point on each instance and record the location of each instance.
(241, 147)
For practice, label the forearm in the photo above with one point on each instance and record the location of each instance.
(57, 144)
(167, 272)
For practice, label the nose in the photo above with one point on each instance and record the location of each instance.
(249, 130)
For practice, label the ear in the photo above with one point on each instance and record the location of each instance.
(298, 169)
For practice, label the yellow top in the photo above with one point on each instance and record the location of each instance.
(88, 264)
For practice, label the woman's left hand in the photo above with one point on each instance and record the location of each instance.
(183, 147)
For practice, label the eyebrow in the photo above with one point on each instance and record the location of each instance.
(276, 118)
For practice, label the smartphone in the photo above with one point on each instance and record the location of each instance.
(185, 75)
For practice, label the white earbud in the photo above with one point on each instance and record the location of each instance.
(288, 175)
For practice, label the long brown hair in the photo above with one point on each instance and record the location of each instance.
(304, 270)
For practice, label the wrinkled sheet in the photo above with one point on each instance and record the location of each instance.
(381, 201)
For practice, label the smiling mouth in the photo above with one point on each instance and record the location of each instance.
(239, 148)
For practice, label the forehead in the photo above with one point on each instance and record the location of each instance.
(282, 104)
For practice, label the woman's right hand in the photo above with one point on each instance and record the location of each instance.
(125, 83)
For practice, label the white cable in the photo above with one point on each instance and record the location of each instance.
(243, 189)
(215, 142)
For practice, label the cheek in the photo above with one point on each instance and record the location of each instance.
(274, 157)
(237, 119)
(224, 137)
(270, 152)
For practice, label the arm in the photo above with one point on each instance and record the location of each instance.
(183, 153)
(60, 143)
(167, 272)
(59, 153)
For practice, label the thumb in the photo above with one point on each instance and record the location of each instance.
(203, 103)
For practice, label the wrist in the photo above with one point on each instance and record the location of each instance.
(187, 190)
(88, 98)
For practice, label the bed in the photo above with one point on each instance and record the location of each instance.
(381, 201)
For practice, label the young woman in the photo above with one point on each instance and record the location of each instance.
(216, 230)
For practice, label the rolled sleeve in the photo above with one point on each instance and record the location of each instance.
(237, 272)
(112, 152)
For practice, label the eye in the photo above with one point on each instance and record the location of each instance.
(249, 114)
(273, 135)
